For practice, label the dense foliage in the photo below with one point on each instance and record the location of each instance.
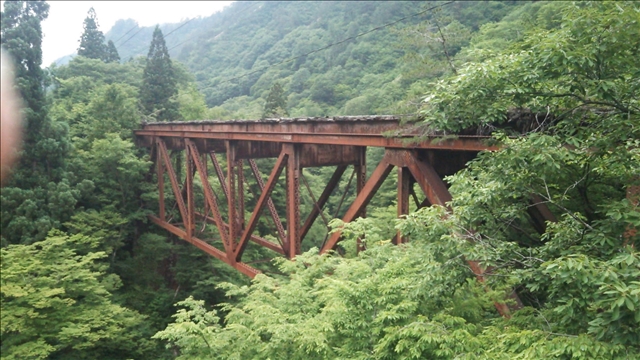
(275, 105)
(56, 302)
(83, 275)
(361, 76)
(36, 198)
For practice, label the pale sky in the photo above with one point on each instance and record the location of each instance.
(63, 27)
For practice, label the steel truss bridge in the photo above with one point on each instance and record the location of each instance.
(298, 143)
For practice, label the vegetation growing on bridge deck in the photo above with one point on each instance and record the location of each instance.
(85, 276)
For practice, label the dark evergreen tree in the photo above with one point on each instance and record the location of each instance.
(44, 142)
(111, 53)
(37, 197)
(276, 105)
(159, 84)
(22, 37)
(92, 39)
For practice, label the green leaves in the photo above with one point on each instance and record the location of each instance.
(275, 105)
(561, 73)
(385, 303)
(55, 300)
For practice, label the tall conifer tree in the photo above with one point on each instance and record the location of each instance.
(159, 83)
(45, 144)
(29, 206)
(276, 105)
(21, 35)
(92, 39)
(111, 53)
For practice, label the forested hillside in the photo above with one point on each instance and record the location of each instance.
(85, 275)
(363, 75)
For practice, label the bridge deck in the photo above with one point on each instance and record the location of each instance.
(377, 131)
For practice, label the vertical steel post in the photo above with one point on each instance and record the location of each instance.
(209, 196)
(404, 182)
(361, 173)
(231, 200)
(240, 214)
(162, 151)
(190, 221)
(361, 179)
(203, 162)
(160, 185)
(293, 200)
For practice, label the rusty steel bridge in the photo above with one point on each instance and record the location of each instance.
(297, 143)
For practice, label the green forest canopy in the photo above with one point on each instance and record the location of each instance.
(85, 276)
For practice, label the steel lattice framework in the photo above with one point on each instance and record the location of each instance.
(297, 143)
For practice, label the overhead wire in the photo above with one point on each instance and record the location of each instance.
(132, 36)
(174, 30)
(125, 34)
(142, 28)
(306, 54)
(334, 44)
(191, 38)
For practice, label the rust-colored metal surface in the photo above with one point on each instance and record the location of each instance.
(295, 144)
(255, 137)
(322, 200)
(272, 208)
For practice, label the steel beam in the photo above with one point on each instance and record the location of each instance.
(429, 180)
(361, 179)
(160, 184)
(190, 223)
(256, 239)
(210, 198)
(266, 192)
(202, 245)
(362, 200)
(270, 205)
(350, 139)
(231, 199)
(361, 174)
(414, 196)
(220, 174)
(162, 150)
(225, 188)
(322, 200)
(240, 198)
(437, 193)
(293, 199)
